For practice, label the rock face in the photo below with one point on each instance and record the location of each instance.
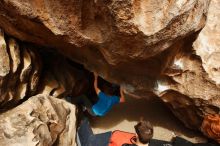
(109, 36)
(40, 121)
(190, 86)
(20, 71)
(145, 46)
(43, 120)
(207, 48)
(25, 72)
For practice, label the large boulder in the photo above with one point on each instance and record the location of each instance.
(207, 48)
(111, 37)
(145, 46)
(190, 86)
(39, 121)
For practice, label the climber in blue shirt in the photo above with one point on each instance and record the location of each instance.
(105, 99)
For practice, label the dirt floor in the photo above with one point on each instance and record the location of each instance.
(124, 116)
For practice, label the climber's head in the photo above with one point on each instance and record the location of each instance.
(110, 89)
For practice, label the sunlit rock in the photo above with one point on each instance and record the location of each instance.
(40, 121)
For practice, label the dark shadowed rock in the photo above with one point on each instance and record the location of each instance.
(26, 72)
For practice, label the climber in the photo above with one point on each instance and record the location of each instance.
(143, 137)
(105, 101)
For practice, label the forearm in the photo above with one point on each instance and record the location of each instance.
(122, 98)
(96, 84)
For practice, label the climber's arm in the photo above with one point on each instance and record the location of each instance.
(97, 90)
(122, 98)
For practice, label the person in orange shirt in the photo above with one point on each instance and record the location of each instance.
(142, 137)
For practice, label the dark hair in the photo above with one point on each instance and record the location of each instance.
(144, 130)
(110, 90)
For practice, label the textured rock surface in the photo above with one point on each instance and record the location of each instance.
(208, 42)
(207, 47)
(40, 121)
(25, 72)
(20, 71)
(190, 86)
(146, 46)
(120, 35)
(43, 120)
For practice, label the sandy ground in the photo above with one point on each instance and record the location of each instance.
(124, 116)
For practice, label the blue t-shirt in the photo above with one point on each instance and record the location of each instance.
(104, 103)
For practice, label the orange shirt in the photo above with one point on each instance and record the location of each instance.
(119, 138)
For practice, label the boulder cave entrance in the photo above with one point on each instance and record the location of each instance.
(30, 71)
